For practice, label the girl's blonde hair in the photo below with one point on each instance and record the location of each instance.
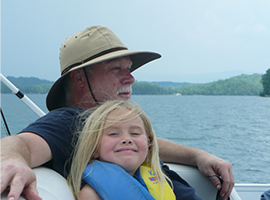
(89, 139)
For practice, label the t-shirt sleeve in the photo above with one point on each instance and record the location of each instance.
(57, 128)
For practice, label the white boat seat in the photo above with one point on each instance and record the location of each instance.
(52, 186)
(203, 186)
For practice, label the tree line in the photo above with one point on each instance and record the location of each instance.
(255, 85)
(239, 85)
(266, 84)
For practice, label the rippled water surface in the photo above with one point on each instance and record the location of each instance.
(235, 128)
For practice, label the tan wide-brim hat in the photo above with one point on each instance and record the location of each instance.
(91, 46)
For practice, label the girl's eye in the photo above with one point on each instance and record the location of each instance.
(135, 133)
(113, 134)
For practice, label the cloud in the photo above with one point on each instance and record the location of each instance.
(258, 28)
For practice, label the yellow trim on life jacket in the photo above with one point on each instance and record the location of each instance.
(153, 185)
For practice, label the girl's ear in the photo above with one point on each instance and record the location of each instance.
(149, 141)
(96, 154)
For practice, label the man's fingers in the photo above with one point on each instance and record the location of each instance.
(16, 187)
(19, 179)
(8, 179)
(7, 174)
(215, 179)
(225, 186)
(228, 183)
(31, 192)
(23, 181)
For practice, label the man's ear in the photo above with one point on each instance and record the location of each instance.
(77, 76)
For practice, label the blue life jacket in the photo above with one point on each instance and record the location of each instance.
(111, 181)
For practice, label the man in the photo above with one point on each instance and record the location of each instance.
(95, 66)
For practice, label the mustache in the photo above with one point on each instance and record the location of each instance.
(127, 89)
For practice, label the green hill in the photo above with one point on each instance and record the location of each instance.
(166, 83)
(145, 88)
(28, 81)
(239, 85)
(29, 85)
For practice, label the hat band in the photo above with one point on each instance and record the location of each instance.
(93, 57)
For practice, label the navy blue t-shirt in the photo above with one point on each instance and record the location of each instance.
(58, 128)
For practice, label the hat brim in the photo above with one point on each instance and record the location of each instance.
(56, 96)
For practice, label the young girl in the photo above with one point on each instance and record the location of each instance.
(117, 156)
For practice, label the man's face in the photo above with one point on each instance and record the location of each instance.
(111, 80)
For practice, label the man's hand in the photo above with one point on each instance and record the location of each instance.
(207, 163)
(210, 165)
(18, 155)
(20, 178)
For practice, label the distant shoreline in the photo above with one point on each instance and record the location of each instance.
(243, 85)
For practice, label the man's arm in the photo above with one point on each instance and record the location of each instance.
(18, 155)
(208, 164)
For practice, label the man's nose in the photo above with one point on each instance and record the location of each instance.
(128, 78)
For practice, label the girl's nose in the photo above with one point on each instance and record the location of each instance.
(126, 141)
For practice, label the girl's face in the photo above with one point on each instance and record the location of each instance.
(123, 143)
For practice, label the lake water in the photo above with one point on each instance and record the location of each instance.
(235, 128)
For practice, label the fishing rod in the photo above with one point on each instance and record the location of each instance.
(22, 96)
(5, 122)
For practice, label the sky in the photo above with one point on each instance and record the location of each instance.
(200, 41)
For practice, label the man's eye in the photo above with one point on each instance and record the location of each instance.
(116, 69)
